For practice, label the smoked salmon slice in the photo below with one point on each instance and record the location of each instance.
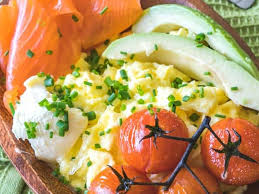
(48, 35)
(8, 17)
(105, 18)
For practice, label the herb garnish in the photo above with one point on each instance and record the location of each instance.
(29, 53)
(104, 10)
(30, 129)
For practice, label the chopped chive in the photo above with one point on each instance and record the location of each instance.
(186, 98)
(75, 73)
(141, 101)
(120, 121)
(133, 109)
(210, 84)
(102, 133)
(74, 94)
(156, 47)
(140, 91)
(6, 53)
(97, 145)
(171, 98)
(123, 74)
(29, 53)
(177, 103)
(207, 73)
(199, 45)
(72, 158)
(75, 18)
(120, 62)
(123, 53)
(49, 81)
(200, 37)
(108, 130)
(132, 56)
(194, 117)
(112, 97)
(209, 33)
(88, 83)
(103, 11)
(87, 132)
(182, 85)
(123, 107)
(151, 111)
(154, 92)
(72, 67)
(106, 42)
(49, 52)
(47, 126)
(89, 163)
(41, 74)
(201, 92)
(99, 87)
(234, 88)
(220, 116)
(62, 127)
(51, 134)
(91, 115)
(153, 99)
(12, 108)
(148, 75)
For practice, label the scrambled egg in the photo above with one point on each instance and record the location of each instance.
(148, 83)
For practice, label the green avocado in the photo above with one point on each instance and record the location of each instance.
(194, 61)
(165, 18)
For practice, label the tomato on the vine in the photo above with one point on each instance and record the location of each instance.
(186, 183)
(237, 161)
(107, 182)
(153, 154)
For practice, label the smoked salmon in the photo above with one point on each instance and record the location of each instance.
(48, 35)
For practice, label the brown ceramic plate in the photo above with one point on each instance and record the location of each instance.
(37, 174)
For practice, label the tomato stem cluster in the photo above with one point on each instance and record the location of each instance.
(230, 149)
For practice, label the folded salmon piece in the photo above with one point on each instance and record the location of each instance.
(105, 18)
(48, 35)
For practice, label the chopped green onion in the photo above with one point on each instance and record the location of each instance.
(201, 92)
(88, 83)
(171, 98)
(108, 130)
(62, 126)
(177, 82)
(220, 116)
(120, 121)
(49, 81)
(72, 67)
(140, 91)
(199, 45)
(75, 18)
(72, 158)
(123, 53)
(47, 126)
(74, 94)
(123, 107)
(102, 133)
(207, 73)
(154, 92)
(234, 88)
(41, 74)
(12, 108)
(51, 134)
(209, 33)
(89, 163)
(132, 56)
(99, 87)
(31, 129)
(76, 73)
(123, 74)
(29, 53)
(104, 10)
(156, 47)
(91, 115)
(112, 97)
(148, 75)
(141, 101)
(106, 42)
(133, 109)
(200, 37)
(120, 62)
(49, 52)
(194, 117)
(210, 84)
(87, 132)
(177, 103)
(149, 107)
(6, 53)
(97, 145)
(186, 98)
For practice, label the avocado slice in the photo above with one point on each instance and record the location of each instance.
(164, 18)
(194, 61)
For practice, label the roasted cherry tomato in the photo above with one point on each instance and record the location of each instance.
(185, 183)
(107, 182)
(153, 154)
(237, 162)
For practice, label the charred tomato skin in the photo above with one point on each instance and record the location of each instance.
(185, 183)
(239, 171)
(107, 182)
(144, 155)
